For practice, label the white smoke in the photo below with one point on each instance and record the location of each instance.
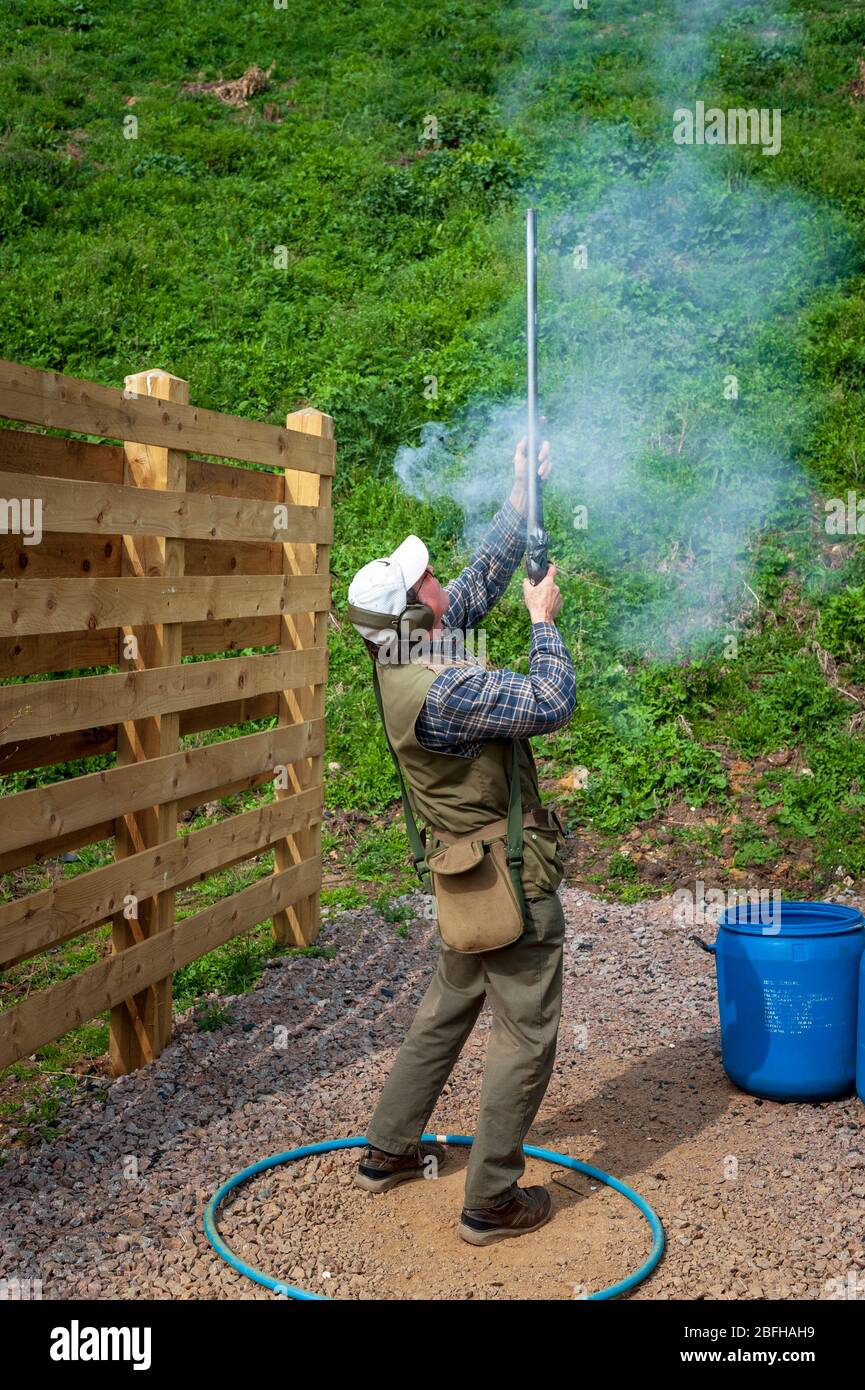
(669, 381)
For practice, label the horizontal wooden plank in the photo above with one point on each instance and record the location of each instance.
(71, 557)
(230, 635)
(68, 557)
(239, 784)
(40, 708)
(112, 509)
(23, 755)
(23, 451)
(38, 854)
(73, 905)
(229, 714)
(41, 653)
(66, 403)
(43, 851)
(48, 1014)
(31, 817)
(232, 557)
(30, 607)
(226, 480)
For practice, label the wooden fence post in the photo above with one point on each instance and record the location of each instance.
(141, 1026)
(299, 924)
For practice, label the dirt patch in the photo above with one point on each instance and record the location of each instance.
(237, 92)
(404, 1243)
(857, 86)
(758, 1199)
(735, 846)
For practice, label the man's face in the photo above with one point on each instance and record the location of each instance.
(430, 592)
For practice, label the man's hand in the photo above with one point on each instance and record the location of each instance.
(543, 599)
(545, 463)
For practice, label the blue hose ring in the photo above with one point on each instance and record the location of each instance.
(211, 1211)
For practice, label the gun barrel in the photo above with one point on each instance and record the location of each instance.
(536, 540)
(532, 350)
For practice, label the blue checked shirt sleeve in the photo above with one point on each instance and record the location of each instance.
(467, 705)
(482, 583)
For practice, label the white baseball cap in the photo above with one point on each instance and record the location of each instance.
(382, 585)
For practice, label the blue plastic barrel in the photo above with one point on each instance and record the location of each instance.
(788, 992)
(860, 1063)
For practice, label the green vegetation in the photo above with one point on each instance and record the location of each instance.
(402, 262)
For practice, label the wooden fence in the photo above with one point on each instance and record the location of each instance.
(134, 556)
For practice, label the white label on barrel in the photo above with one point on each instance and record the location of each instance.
(788, 1009)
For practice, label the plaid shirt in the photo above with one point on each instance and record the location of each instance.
(466, 705)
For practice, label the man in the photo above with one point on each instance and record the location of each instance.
(455, 727)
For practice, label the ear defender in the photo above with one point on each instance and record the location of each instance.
(414, 617)
(417, 616)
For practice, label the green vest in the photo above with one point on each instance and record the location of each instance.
(460, 795)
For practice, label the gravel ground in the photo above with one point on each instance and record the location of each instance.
(758, 1199)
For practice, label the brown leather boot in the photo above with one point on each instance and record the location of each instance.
(529, 1208)
(379, 1171)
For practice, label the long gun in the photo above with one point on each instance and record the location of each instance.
(536, 537)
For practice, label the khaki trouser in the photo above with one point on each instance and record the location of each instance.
(523, 983)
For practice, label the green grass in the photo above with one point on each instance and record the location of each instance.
(127, 252)
(404, 263)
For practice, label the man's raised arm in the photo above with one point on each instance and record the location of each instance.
(483, 581)
(466, 704)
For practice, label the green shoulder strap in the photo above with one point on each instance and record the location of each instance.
(515, 813)
(418, 849)
(515, 828)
